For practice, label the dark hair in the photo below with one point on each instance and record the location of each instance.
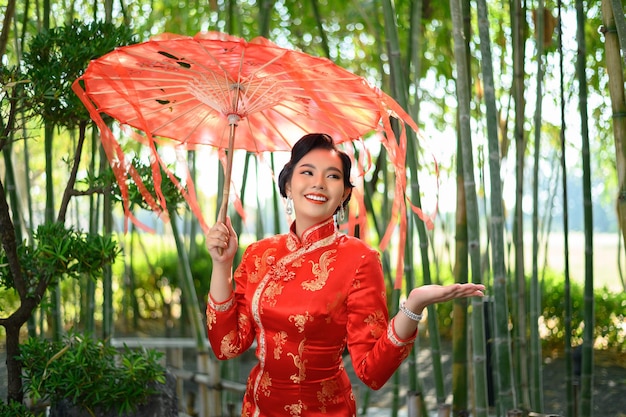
(306, 144)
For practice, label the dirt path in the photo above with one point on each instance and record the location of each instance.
(609, 384)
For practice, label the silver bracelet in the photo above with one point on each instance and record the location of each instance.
(413, 316)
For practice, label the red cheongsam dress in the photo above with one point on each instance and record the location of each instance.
(304, 301)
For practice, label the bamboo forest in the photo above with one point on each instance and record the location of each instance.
(486, 140)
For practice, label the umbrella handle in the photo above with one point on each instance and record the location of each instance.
(221, 217)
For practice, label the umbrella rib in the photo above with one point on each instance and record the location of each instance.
(156, 129)
(321, 122)
(341, 99)
(348, 76)
(228, 95)
(204, 95)
(266, 98)
(275, 128)
(196, 74)
(199, 123)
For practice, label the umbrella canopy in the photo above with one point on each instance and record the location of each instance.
(219, 90)
(191, 89)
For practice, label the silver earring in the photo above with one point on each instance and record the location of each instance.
(342, 213)
(289, 206)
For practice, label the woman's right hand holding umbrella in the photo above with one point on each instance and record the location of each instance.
(222, 243)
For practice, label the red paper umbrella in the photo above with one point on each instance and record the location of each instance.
(218, 90)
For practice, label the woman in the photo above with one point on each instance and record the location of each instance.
(307, 295)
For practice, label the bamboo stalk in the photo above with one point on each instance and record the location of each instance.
(586, 406)
(502, 339)
(461, 392)
(532, 397)
(415, 403)
(509, 392)
(567, 338)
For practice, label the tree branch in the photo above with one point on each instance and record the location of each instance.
(69, 188)
(7, 238)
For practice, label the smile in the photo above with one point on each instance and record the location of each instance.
(315, 197)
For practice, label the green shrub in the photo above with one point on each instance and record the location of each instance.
(609, 317)
(13, 409)
(89, 373)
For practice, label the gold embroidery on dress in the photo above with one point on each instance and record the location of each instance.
(210, 318)
(300, 320)
(255, 306)
(237, 273)
(262, 264)
(333, 307)
(228, 349)
(280, 339)
(328, 394)
(245, 412)
(376, 322)
(273, 289)
(243, 320)
(295, 410)
(265, 385)
(281, 272)
(321, 271)
(292, 243)
(299, 363)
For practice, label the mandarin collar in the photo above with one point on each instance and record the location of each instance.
(314, 233)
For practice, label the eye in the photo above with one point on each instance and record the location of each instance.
(334, 176)
(306, 172)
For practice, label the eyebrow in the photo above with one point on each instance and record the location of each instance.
(328, 169)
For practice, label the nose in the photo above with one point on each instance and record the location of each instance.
(319, 182)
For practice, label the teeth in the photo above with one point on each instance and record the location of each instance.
(316, 197)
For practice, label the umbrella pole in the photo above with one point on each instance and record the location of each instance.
(227, 174)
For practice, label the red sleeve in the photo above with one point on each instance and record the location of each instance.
(374, 347)
(229, 324)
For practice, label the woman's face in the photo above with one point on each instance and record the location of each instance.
(316, 187)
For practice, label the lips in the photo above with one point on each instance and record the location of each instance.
(316, 198)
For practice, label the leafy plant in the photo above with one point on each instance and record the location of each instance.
(89, 373)
(13, 409)
(59, 252)
(609, 330)
(57, 57)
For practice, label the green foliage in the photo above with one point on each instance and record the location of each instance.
(59, 252)
(11, 99)
(165, 276)
(106, 180)
(56, 58)
(13, 409)
(170, 191)
(89, 373)
(610, 308)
